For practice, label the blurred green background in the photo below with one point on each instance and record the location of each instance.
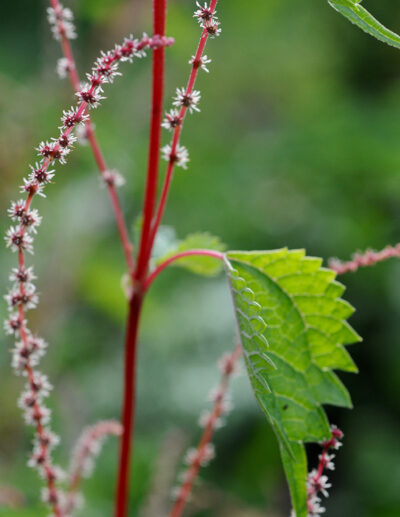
(297, 144)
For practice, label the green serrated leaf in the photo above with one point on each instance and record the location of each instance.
(295, 466)
(292, 327)
(201, 265)
(358, 15)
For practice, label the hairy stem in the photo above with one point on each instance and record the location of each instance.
(208, 253)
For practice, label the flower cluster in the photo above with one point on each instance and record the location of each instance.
(207, 19)
(317, 481)
(87, 448)
(113, 178)
(22, 295)
(187, 99)
(196, 458)
(61, 20)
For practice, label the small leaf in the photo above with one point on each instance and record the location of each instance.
(292, 327)
(358, 15)
(201, 265)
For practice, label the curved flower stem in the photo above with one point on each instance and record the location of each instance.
(176, 137)
(159, 22)
(228, 367)
(86, 449)
(208, 253)
(98, 155)
(53, 492)
(369, 258)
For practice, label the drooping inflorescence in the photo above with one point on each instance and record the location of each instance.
(210, 421)
(22, 296)
(87, 448)
(317, 482)
(369, 258)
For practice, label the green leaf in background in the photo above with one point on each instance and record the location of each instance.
(201, 265)
(293, 326)
(358, 15)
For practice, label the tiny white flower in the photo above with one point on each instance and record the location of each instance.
(180, 157)
(188, 100)
(64, 66)
(200, 63)
(113, 178)
(172, 120)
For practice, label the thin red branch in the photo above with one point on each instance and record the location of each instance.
(184, 491)
(208, 253)
(98, 155)
(369, 258)
(159, 23)
(128, 411)
(176, 136)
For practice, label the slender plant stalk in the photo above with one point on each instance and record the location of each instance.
(98, 155)
(177, 134)
(190, 475)
(199, 252)
(129, 398)
(159, 23)
(128, 411)
(369, 258)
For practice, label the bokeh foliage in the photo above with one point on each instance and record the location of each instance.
(297, 145)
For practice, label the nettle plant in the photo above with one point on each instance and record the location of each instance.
(291, 319)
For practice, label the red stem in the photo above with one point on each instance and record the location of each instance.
(159, 22)
(98, 155)
(128, 411)
(208, 253)
(176, 137)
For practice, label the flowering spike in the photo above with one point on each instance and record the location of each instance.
(196, 458)
(61, 22)
(87, 448)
